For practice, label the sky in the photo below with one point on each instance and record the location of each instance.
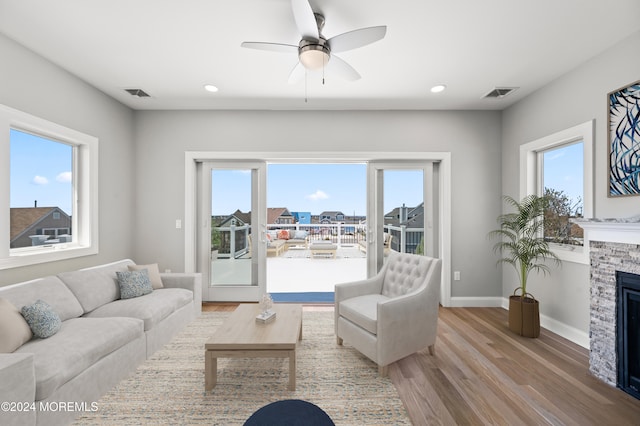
(40, 171)
(563, 170)
(314, 188)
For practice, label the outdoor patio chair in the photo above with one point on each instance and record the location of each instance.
(393, 314)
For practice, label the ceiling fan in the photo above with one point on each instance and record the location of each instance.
(314, 50)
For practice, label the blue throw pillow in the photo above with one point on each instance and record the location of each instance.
(42, 319)
(134, 283)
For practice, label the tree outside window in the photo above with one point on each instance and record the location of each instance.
(563, 188)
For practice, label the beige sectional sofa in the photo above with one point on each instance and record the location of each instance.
(278, 241)
(101, 340)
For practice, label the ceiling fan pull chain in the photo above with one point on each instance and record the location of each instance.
(323, 64)
(305, 86)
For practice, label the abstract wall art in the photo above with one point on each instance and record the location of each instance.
(624, 141)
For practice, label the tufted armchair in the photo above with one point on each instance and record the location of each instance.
(393, 314)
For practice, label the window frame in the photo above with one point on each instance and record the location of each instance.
(531, 177)
(85, 190)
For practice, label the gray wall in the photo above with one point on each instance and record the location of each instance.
(32, 84)
(473, 138)
(576, 97)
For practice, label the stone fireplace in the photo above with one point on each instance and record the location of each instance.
(614, 247)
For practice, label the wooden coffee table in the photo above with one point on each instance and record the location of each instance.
(240, 336)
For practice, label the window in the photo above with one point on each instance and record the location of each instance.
(560, 166)
(563, 184)
(41, 188)
(48, 185)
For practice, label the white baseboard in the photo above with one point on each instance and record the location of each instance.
(476, 302)
(576, 336)
(572, 334)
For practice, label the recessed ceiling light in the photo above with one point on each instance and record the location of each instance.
(210, 88)
(439, 88)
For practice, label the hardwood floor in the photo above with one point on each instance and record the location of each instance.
(482, 374)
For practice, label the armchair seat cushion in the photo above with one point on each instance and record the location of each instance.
(363, 311)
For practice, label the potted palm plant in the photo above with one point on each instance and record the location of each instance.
(522, 245)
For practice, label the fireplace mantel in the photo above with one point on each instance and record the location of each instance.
(626, 231)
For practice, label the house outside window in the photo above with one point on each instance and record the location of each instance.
(49, 188)
(560, 166)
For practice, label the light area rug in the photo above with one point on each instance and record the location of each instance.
(168, 388)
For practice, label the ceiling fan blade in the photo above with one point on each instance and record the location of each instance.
(305, 20)
(273, 47)
(296, 74)
(341, 68)
(356, 38)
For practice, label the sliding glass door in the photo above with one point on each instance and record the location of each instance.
(232, 226)
(402, 210)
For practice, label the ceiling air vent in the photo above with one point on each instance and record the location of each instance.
(499, 92)
(138, 93)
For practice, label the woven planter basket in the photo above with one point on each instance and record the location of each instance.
(524, 315)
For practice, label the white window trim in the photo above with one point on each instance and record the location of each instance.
(85, 195)
(530, 173)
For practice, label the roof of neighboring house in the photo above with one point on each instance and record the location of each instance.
(23, 218)
(274, 213)
(331, 213)
(244, 217)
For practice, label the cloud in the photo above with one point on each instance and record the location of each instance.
(64, 177)
(40, 180)
(318, 195)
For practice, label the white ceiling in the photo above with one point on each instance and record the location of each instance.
(171, 48)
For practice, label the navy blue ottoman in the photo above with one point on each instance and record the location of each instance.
(290, 412)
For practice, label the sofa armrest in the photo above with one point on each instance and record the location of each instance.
(18, 385)
(352, 289)
(189, 281)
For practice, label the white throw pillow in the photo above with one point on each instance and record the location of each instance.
(153, 271)
(14, 330)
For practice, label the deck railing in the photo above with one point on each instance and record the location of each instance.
(235, 239)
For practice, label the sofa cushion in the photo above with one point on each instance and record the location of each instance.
(153, 271)
(363, 310)
(300, 235)
(80, 343)
(14, 330)
(50, 289)
(94, 287)
(151, 308)
(133, 283)
(283, 234)
(42, 319)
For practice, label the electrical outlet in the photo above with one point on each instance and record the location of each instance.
(456, 275)
(178, 223)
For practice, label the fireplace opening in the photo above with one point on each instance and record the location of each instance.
(628, 332)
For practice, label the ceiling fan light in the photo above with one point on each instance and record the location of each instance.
(313, 55)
